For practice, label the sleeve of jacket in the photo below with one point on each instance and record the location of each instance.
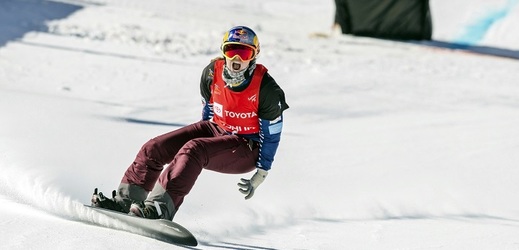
(270, 136)
(205, 91)
(272, 105)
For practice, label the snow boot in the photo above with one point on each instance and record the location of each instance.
(146, 210)
(158, 205)
(128, 194)
(121, 199)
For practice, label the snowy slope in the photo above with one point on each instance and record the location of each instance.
(385, 146)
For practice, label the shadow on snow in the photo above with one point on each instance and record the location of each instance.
(20, 17)
(147, 122)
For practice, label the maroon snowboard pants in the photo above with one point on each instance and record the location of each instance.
(188, 150)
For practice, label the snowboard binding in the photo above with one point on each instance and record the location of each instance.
(100, 200)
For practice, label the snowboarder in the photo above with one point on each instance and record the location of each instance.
(240, 130)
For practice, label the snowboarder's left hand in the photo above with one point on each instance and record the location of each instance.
(248, 187)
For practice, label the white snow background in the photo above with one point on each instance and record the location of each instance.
(386, 145)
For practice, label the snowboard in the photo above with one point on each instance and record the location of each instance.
(160, 229)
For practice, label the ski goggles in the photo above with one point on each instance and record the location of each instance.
(232, 50)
